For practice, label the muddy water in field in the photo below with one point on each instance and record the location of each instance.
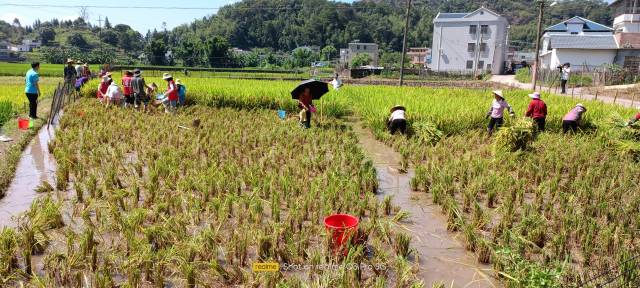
(36, 165)
(441, 256)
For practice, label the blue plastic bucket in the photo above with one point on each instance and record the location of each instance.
(282, 114)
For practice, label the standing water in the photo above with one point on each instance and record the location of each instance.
(36, 165)
(442, 258)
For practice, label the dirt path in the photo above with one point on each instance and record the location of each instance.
(577, 93)
(442, 258)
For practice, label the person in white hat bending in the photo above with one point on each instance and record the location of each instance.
(496, 111)
(171, 93)
(397, 120)
(537, 110)
(572, 119)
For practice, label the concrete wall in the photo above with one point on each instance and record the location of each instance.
(450, 40)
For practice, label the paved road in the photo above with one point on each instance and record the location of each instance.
(510, 80)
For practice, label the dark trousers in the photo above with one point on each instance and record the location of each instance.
(398, 125)
(563, 84)
(33, 105)
(540, 122)
(569, 126)
(494, 124)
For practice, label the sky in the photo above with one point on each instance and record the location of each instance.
(139, 19)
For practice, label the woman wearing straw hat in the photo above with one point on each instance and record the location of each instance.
(572, 119)
(104, 86)
(397, 121)
(537, 110)
(171, 93)
(496, 111)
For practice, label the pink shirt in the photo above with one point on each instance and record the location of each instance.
(497, 108)
(575, 114)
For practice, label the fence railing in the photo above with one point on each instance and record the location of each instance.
(64, 94)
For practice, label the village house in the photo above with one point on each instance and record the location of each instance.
(469, 42)
(26, 46)
(626, 25)
(355, 48)
(418, 56)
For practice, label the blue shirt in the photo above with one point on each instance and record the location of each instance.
(31, 80)
(182, 90)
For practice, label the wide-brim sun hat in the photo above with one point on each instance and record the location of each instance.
(137, 71)
(166, 76)
(108, 74)
(178, 82)
(70, 61)
(580, 105)
(398, 107)
(535, 95)
(499, 93)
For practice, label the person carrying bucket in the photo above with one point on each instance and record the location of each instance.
(537, 110)
(32, 89)
(496, 111)
(572, 119)
(397, 120)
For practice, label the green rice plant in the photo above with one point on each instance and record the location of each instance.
(518, 136)
(8, 249)
(45, 213)
(402, 244)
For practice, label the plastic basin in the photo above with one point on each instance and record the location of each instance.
(342, 227)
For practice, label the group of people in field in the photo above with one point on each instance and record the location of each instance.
(537, 111)
(133, 91)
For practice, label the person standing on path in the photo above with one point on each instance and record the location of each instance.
(565, 73)
(32, 89)
(70, 74)
(496, 111)
(537, 110)
(572, 119)
(397, 121)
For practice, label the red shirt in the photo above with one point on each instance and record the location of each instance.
(638, 116)
(103, 88)
(537, 109)
(172, 91)
(126, 85)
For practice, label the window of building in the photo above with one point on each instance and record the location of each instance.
(574, 33)
(480, 65)
(469, 64)
(357, 47)
(471, 47)
(483, 47)
(473, 29)
(484, 29)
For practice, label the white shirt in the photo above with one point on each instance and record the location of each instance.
(113, 91)
(337, 83)
(398, 114)
(497, 108)
(565, 73)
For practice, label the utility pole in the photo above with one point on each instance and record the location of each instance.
(536, 63)
(404, 42)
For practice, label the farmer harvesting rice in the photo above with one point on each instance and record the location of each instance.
(139, 90)
(182, 92)
(397, 120)
(171, 93)
(114, 94)
(104, 86)
(70, 74)
(572, 119)
(634, 119)
(305, 103)
(496, 111)
(32, 89)
(126, 88)
(537, 110)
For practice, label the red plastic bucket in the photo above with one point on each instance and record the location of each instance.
(23, 123)
(342, 228)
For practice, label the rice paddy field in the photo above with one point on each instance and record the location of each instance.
(193, 199)
(13, 99)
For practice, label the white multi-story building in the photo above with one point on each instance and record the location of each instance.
(355, 48)
(581, 42)
(469, 42)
